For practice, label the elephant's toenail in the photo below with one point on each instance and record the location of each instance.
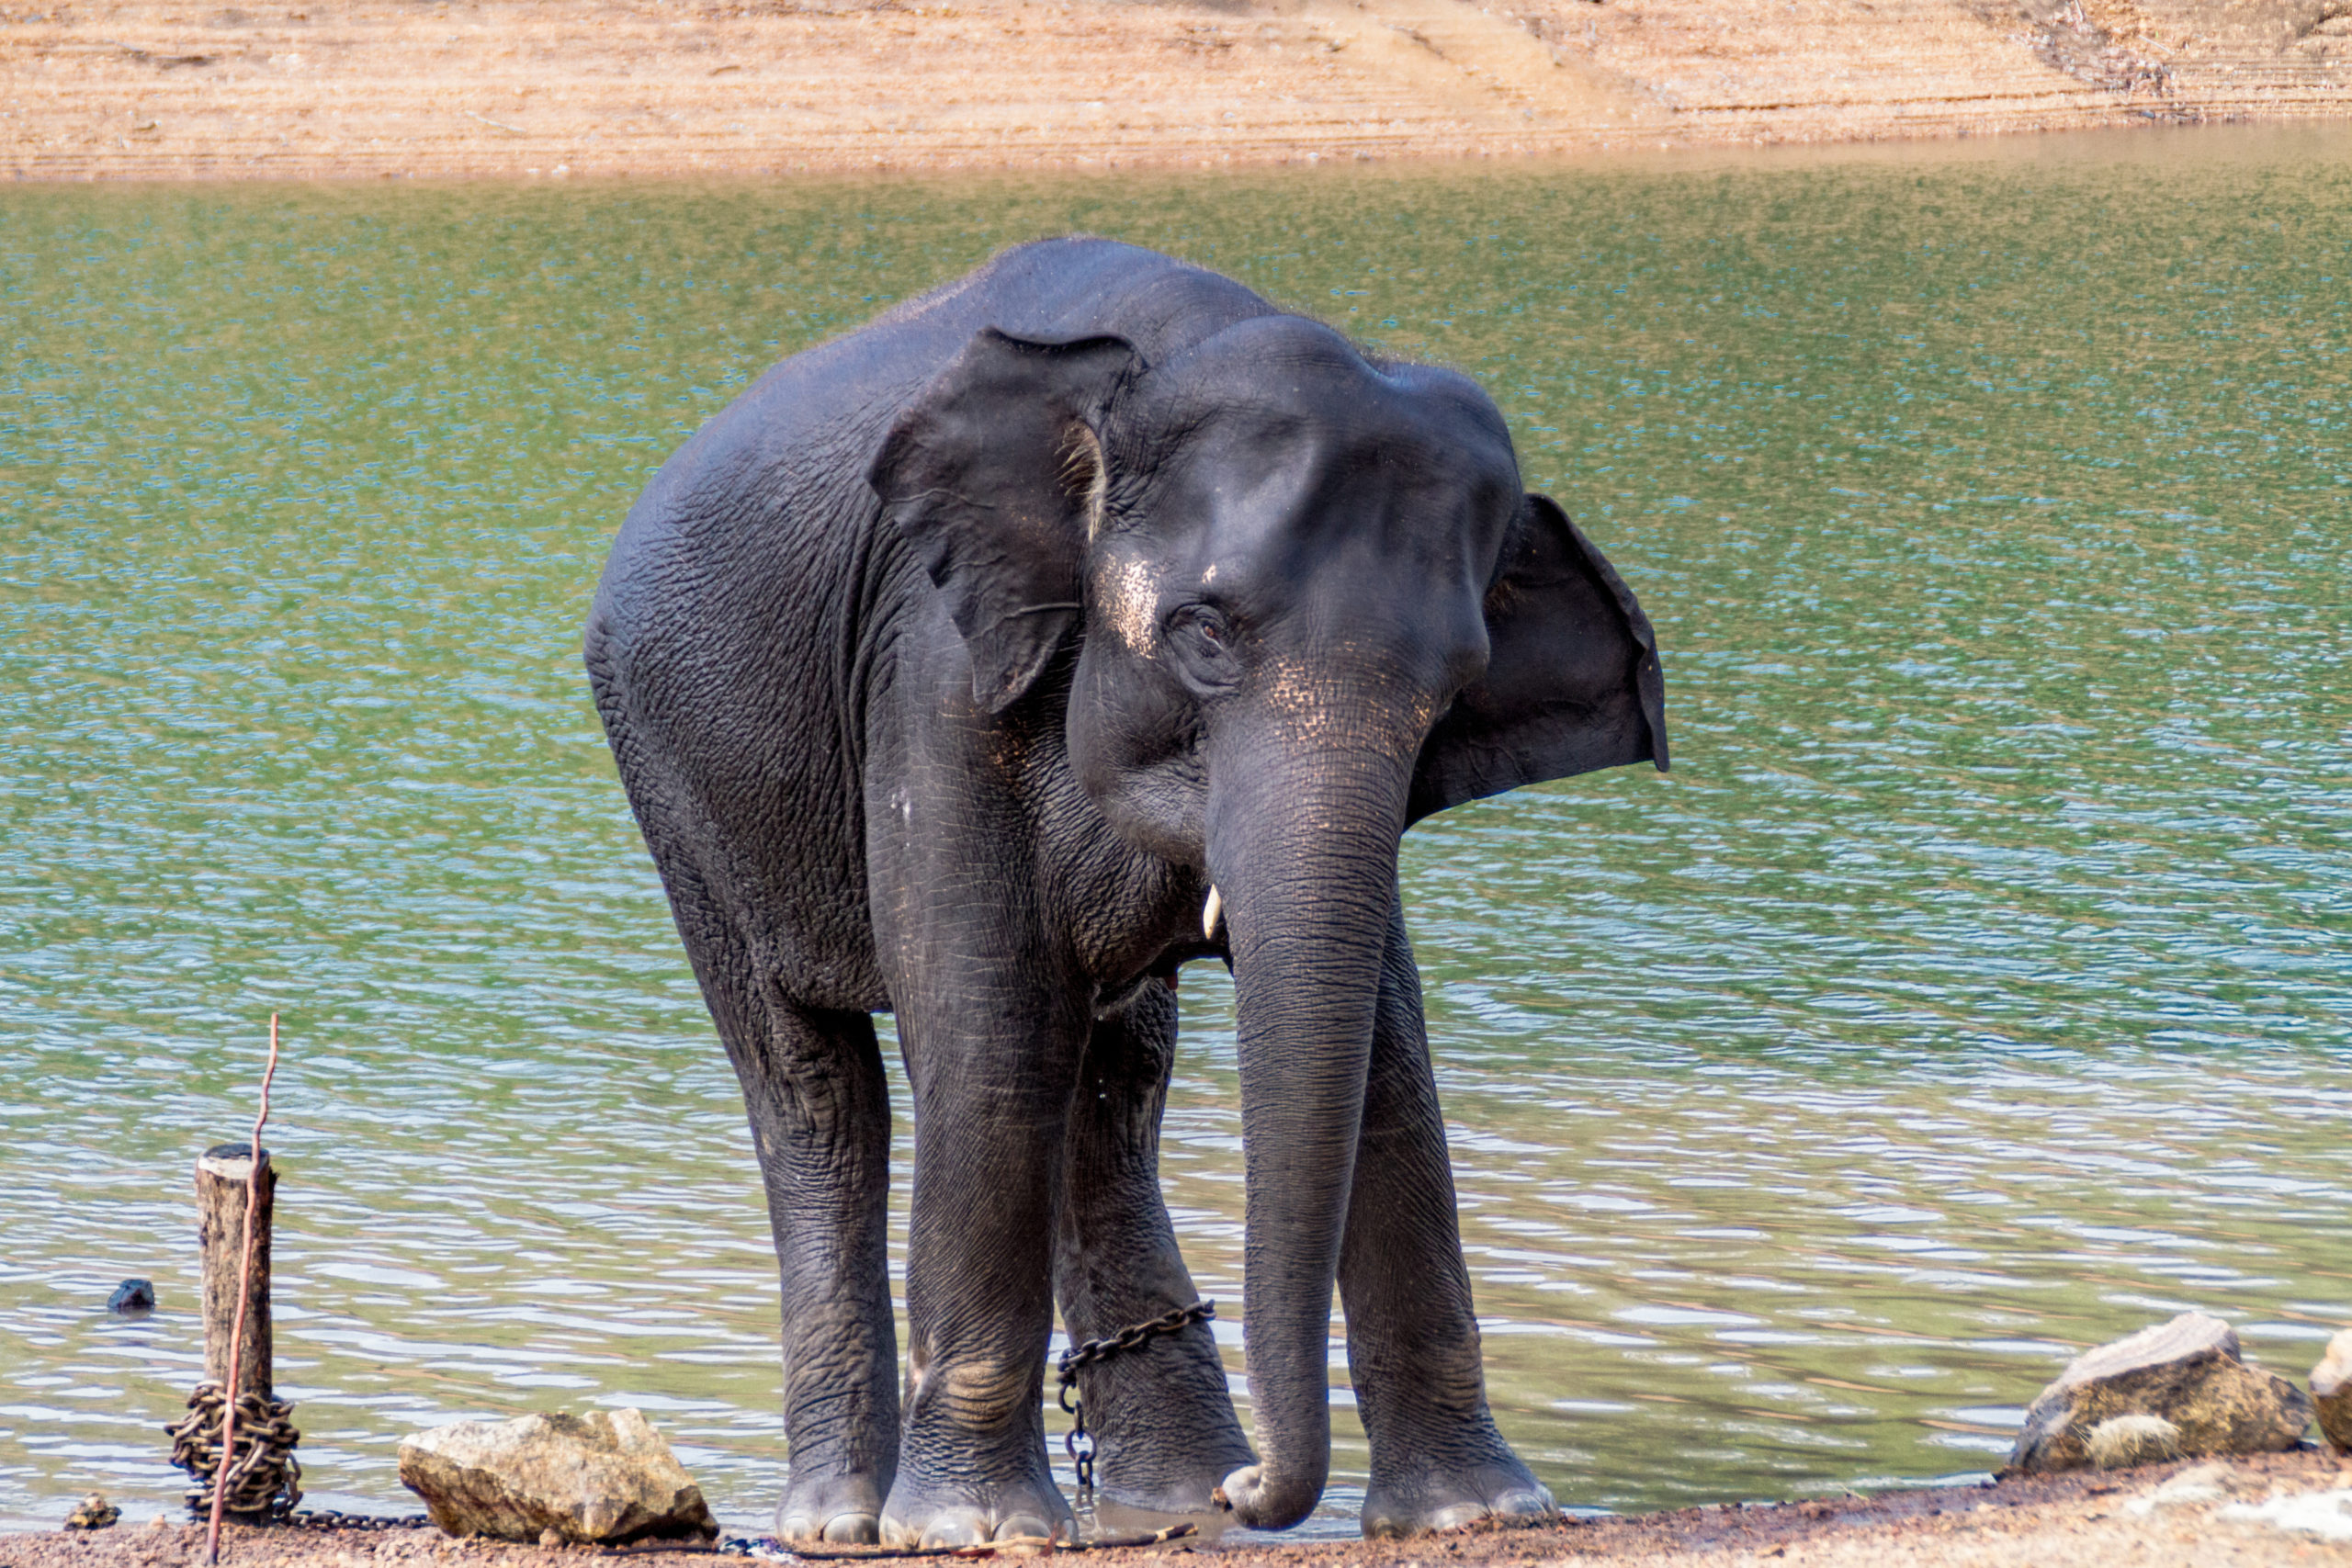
(1023, 1526)
(955, 1529)
(854, 1529)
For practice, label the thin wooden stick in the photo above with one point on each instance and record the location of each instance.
(237, 1333)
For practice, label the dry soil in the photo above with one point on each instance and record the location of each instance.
(2178, 1516)
(154, 89)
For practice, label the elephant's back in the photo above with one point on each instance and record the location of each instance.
(725, 646)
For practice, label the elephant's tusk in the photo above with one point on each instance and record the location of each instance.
(1212, 912)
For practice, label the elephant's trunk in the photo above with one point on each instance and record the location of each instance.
(1303, 848)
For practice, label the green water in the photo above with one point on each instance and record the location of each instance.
(1974, 989)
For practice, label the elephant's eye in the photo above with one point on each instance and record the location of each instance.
(1204, 628)
(1204, 642)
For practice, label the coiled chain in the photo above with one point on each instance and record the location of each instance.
(1079, 1357)
(264, 1478)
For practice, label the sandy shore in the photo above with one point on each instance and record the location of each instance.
(141, 89)
(2256, 1512)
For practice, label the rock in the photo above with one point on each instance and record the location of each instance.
(2198, 1484)
(2327, 1515)
(2187, 1371)
(2331, 1392)
(132, 1295)
(93, 1513)
(2127, 1440)
(606, 1478)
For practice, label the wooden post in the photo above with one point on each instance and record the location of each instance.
(220, 1227)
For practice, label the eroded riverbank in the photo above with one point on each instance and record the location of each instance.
(149, 89)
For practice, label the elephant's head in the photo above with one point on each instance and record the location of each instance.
(1311, 606)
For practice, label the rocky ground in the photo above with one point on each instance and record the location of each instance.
(2287, 1509)
(140, 89)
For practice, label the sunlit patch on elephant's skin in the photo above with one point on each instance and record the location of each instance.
(979, 1390)
(1369, 709)
(1128, 592)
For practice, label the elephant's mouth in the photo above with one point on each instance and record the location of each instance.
(1177, 955)
(1161, 971)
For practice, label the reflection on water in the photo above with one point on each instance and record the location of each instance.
(1972, 991)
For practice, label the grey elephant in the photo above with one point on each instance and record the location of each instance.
(1085, 616)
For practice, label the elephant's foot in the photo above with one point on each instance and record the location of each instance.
(1190, 1488)
(1165, 1446)
(1436, 1498)
(1162, 1421)
(965, 1513)
(843, 1509)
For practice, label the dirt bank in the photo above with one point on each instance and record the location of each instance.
(144, 89)
(2178, 1516)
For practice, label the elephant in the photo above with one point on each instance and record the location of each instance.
(1083, 617)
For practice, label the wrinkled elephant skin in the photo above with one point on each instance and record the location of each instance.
(949, 671)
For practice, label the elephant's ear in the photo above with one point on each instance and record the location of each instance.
(991, 472)
(1572, 680)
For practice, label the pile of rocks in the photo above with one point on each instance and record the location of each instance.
(2180, 1390)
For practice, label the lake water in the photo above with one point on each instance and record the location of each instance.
(1974, 990)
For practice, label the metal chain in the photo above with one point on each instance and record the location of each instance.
(264, 1478)
(1079, 1357)
(331, 1520)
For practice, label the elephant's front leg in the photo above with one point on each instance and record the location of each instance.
(1162, 1418)
(992, 1074)
(1436, 1460)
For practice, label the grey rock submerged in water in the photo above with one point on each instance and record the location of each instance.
(605, 1478)
(2189, 1372)
(2331, 1392)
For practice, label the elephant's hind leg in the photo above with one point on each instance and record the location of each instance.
(820, 1120)
(819, 1111)
(1436, 1460)
(1162, 1418)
